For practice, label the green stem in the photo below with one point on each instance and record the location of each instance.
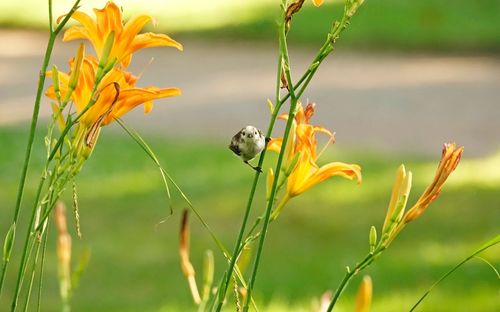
(51, 27)
(38, 236)
(31, 138)
(34, 118)
(32, 279)
(291, 116)
(280, 206)
(42, 265)
(349, 275)
(239, 240)
(2, 276)
(26, 240)
(29, 233)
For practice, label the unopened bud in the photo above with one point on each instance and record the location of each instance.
(270, 105)
(364, 297)
(108, 45)
(292, 164)
(269, 183)
(373, 238)
(55, 80)
(75, 71)
(9, 242)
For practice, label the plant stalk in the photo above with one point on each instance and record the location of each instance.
(291, 116)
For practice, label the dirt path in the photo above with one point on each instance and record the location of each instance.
(379, 102)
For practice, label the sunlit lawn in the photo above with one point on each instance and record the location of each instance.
(134, 263)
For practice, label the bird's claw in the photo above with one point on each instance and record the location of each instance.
(256, 168)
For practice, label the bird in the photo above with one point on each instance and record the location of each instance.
(248, 143)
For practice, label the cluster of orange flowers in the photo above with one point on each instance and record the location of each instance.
(110, 102)
(301, 156)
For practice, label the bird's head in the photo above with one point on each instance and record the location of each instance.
(250, 133)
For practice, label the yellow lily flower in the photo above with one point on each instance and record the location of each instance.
(301, 155)
(127, 38)
(112, 102)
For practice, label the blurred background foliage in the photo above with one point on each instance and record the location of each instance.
(433, 25)
(135, 267)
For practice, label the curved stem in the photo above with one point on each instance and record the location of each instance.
(280, 206)
(348, 276)
(42, 265)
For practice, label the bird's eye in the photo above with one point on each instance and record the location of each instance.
(255, 133)
(243, 132)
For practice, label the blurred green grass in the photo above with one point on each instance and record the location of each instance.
(134, 263)
(428, 25)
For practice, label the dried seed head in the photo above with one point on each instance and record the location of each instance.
(186, 266)
(291, 10)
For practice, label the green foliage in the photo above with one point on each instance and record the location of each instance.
(122, 200)
(389, 24)
(461, 25)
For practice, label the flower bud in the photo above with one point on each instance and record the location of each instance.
(269, 183)
(75, 72)
(364, 297)
(373, 238)
(55, 79)
(9, 242)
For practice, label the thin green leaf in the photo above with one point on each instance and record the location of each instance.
(145, 147)
(490, 265)
(485, 246)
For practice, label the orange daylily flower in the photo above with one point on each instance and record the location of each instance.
(449, 160)
(302, 144)
(111, 103)
(396, 218)
(127, 38)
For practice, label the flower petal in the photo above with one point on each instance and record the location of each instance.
(149, 40)
(76, 32)
(348, 171)
(275, 145)
(109, 19)
(135, 25)
(130, 98)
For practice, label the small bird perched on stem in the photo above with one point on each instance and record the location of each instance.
(248, 143)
